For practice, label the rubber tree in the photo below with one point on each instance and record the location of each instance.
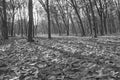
(46, 7)
(4, 21)
(93, 19)
(74, 4)
(100, 10)
(48, 15)
(86, 10)
(12, 7)
(30, 8)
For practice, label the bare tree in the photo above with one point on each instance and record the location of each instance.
(74, 4)
(86, 10)
(12, 7)
(46, 7)
(93, 17)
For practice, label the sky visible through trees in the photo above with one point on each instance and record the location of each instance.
(35, 10)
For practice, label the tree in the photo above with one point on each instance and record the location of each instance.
(4, 20)
(74, 4)
(47, 9)
(30, 8)
(100, 10)
(64, 12)
(48, 15)
(12, 8)
(93, 17)
(87, 13)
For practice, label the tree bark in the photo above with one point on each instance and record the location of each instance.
(4, 27)
(76, 10)
(48, 16)
(12, 26)
(59, 29)
(73, 25)
(64, 18)
(30, 8)
(93, 18)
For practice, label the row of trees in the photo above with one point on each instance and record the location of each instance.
(97, 17)
(12, 7)
(79, 17)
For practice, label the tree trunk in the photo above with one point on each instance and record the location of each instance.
(105, 17)
(73, 25)
(88, 17)
(93, 17)
(64, 18)
(67, 18)
(30, 8)
(76, 10)
(48, 15)
(25, 27)
(59, 29)
(4, 26)
(101, 25)
(33, 29)
(100, 13)
(105, 26)
(12, 27)
(68, 27)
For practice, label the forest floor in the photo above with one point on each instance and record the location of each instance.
(61, 58)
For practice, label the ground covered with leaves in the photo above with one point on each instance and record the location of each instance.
(66, 58)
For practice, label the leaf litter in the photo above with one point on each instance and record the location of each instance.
(61, 59)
